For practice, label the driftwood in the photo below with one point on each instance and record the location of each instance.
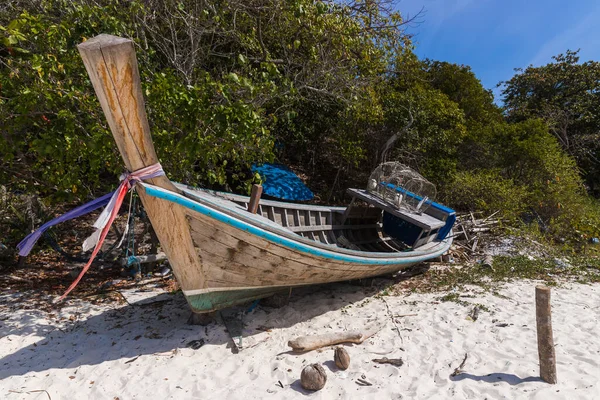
(308, 343)
(469, 237)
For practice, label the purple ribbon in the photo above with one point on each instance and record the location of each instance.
(27, 244)
(127, 179)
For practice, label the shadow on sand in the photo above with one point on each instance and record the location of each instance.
(130, 331)
(511, 379)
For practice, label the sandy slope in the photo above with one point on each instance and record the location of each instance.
(93, 354)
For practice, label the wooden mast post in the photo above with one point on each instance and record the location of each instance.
(112, 67)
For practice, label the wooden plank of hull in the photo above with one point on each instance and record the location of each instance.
(275, 257)
(321, 228)
(254, 267)
(368, 224)
(231, 236)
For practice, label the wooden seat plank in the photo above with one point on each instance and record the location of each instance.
(424, 221)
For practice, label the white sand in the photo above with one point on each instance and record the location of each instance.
(90, 357)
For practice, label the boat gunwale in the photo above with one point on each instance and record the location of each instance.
(273, 203)
(295, 242)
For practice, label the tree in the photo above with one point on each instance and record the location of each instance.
(431, 142)
(461, 85)
(566, 95)
(224, 81)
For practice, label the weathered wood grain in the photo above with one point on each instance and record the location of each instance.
(544, 334)
(112, 66)
(235, 259)
(255, 198)
(307, 343)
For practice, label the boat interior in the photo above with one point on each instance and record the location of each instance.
(358, 227)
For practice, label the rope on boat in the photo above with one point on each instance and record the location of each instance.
(113, 203)
(130, 231)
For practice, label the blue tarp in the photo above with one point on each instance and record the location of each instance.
(280, 182)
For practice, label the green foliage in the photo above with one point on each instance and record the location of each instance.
(223, 81)
(531, 157)
(461, 86)
(203, 131)
(219, 135)
(521, 169)
(565, 94)
(51, 117)
(20, 213)
(479, 161)
(431, 143)
(488, 191)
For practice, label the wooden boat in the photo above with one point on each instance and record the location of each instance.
(220, 253)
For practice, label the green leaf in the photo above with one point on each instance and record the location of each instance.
(234, 77)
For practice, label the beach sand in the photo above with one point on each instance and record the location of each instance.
(127, 351)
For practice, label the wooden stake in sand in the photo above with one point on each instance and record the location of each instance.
(544, 334)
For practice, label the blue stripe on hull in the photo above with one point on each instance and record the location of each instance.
(415, 255)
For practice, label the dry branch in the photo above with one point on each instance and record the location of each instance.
(470, 235)
(393, 361)
(459, 369)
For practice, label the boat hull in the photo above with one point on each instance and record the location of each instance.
(242, 261)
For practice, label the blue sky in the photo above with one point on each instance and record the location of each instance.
(496, 36)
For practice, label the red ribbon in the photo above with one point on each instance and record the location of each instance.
(128, 182)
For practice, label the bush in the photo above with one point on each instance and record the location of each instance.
(521, 169)
(216, 93)
(19, 215)
(532, 157)
(53, 121)
(487, 191)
